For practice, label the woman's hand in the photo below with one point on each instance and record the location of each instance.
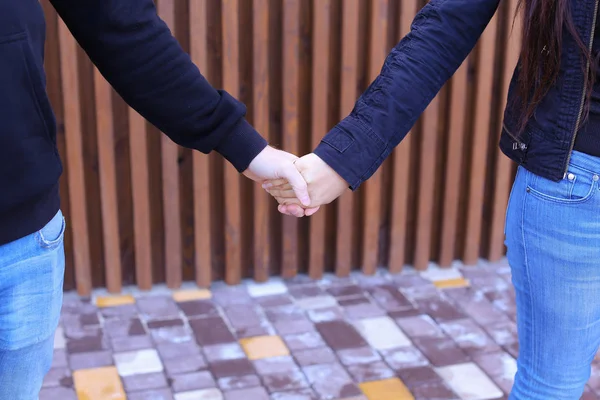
(273, 164)
(324, 186)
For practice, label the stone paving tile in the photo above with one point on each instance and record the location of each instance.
(301, 394)
(142, 382)
(355, 338)
(138, 362)
(470, 337)
(331, 381)
(61, 393)
(203, 394)
(192, 381)
(255, 393)
(91, 360)
(285, 381)
(382, 333)
(469, 382)
(360, 355)
(321, 355)
(441, 351)
(340, 335)
(151, 394)
(302, 341)
(239, 382)
(373, 371)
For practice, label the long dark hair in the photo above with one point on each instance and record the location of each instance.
(544, 22)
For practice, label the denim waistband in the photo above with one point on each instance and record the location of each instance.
(585, 161)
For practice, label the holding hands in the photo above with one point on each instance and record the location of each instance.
(324, 185)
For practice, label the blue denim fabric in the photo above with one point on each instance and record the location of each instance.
(553, 240)
(31, 287)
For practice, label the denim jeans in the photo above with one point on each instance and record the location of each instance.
(31, 286)
(553, 241)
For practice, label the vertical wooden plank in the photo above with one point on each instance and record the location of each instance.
(504, 165)
(231, 81)
(170, 184)
(346, 232)
(108, 182)
(401, 160)
(320, 88)
(291, 76)
(485, 79)
(429, 137)
(201, 168)
(372, 188)
(261, 101)
(74, 143)
(141, 199)
(452, 177)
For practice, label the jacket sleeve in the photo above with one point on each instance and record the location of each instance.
(137, 54)
(442, 35)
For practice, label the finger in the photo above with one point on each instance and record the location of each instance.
(293, 210)
(275, 183)
(282, 193)
(286, 201)
(311, 211)
(298, 184)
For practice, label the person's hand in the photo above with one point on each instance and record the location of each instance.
(272, 164)
(324, 186)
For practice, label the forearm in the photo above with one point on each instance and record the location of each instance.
(136, 52)
(442, 35)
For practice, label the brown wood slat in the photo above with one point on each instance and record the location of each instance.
(485, 79)
(291, 77)
(74, 158)
(372, 188)
(504, 165)
(261, 101)
(346, 233)
(170, 184)
(457, 131)
(401, 166)
(428, 150)
(320, 92)
(140, 193)
(201, 163)
(233, 198)
(108, 182)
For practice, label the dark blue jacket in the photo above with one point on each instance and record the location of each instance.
(137, 54)
(442, 35)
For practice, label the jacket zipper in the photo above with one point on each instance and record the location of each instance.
(587, 71)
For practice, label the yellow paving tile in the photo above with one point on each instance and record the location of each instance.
(194, 294)
(98, 384)
(387, 389)
(111, 301)
(264, 347)
(451, 283)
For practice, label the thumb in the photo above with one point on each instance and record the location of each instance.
(299, 186)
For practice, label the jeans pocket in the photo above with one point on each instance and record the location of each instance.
(575, 188)
(52, 235)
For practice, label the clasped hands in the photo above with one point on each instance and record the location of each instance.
(300, 185)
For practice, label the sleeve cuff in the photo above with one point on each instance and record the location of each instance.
(242, 145)
(353, 150)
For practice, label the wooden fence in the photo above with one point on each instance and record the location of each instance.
(142, 210)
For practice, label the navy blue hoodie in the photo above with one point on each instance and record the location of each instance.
(136, 52)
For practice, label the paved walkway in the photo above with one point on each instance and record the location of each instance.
(443, 334)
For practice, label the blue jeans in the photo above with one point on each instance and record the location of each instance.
(553, 241)
(31, 286)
